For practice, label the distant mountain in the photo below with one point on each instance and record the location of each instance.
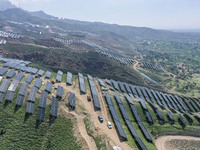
(42, 14)
(5, 4)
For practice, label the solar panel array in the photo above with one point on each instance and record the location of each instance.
(128, 122)
(48, 75)
(108, 82)
(48, 87)
(95, 96)
(72, 100)
(30, 107)
(54, 107)
(38, 83)
(59, 93)
(81, 83)
(122, 88)
(101, 82)
(43, 99)
(59, 76)
(3, 71)
(116, 119)
(29, 78)
(4, 85)
(40, 72)
(115, 85)
(32, 94)
(69, 78)
(19, 76)
(152, 67)
(10, 74)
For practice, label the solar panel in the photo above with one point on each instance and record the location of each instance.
(108, 82)
(139, 93)
(4, 85)
(142, 102)
(145, 132)
(59, 78)
(1, 97)
(48, 75)
(133, 90)
(10, 95)
(3, 71)
(72, 100)
(128, 99)
(101, 82)
(10, 74)
(13, 86)
(59, 91)
(38, 83)
(171, 118)
(120, 130)
(181, 119)
(82, 85)
(54, 107)
(29, 78)
(48, 87)
(60, 72)
(23, 89)
(89, 77)
(121, 86)
(43, 99)
(115, 85)
(19, 76)
(108, 99)
(149, 117)
(118, 99)
(41, 114)
(32, 94)
(69, 78)
(30, 107)
(160, 116)
(20, 100)
(40, 72)
(127, 87)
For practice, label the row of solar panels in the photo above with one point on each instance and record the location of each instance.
(95, 96)
(150, 66)
(155, 97)
(81, 83)
(129, 124)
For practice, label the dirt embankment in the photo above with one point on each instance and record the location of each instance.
(177, 142)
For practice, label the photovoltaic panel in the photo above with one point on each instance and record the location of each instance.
(59, 91)
(149, 117)
(29, 78)
(48, 87)
(145, 132)
(13, 86)
(43, 99)
(127, 87)
(60, 72)
(142, 102)
(69, 78)
(101, 82)
(38, 83)
(41, 114)
(170, 116)
(118, 99)
(19, 76)
(72, 100)
(181, 119)
(40, 72)
(3, 71)
(30, 107)
(59, 78)
(20, 100)
(1, 97)
(82, 85)
(133, 90)
(121, 86)
(32, 94)
(10, 74)
(108, 82)
(23, 89)
(48, 75)
(115, 85)
(10, 95)
(4, 85)
(54, 107)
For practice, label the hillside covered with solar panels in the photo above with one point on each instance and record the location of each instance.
(67, 84)
(36, 101)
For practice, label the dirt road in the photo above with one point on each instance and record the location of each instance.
(176, 142)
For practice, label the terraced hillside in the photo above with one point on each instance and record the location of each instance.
(49, 115)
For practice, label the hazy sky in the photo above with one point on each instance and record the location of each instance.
(163, 14)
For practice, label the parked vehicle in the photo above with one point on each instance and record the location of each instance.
(100, 118)
(109, 125)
